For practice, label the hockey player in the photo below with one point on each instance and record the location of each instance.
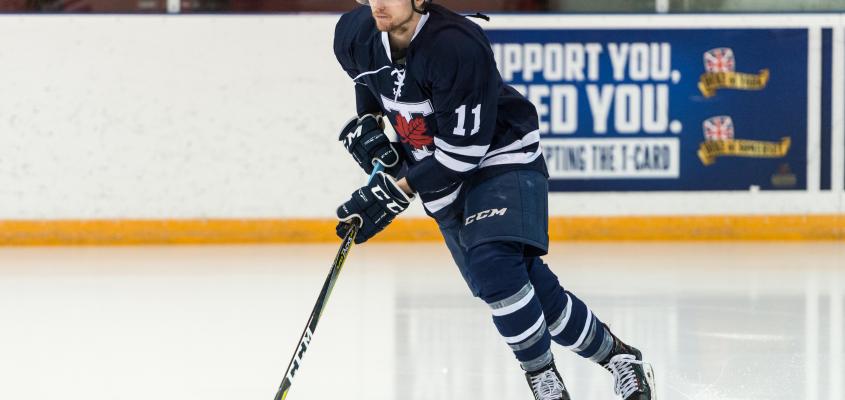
(470, 150)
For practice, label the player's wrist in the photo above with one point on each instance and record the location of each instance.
(405, 186)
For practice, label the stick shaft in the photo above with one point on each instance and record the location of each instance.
(325, 292)
(311, 326)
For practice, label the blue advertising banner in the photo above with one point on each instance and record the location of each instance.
(665, 109)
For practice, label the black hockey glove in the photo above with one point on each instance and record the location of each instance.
(366, 141)
(373, 207)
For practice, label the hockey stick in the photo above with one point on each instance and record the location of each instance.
(311, 326)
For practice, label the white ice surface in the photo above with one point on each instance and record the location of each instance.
(750, 321)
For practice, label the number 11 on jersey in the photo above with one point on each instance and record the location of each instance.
(462, 116)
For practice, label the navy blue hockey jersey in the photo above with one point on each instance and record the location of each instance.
(457, 121)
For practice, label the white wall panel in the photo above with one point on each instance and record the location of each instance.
(157, 116)
(110, 116)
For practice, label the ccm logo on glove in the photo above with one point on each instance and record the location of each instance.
(389, 203)
(372, 213)
(365, 139)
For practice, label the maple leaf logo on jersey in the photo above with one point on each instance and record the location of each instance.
(413, 132)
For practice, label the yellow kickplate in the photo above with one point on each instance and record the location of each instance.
(232, 231)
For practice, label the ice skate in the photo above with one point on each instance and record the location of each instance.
(633, 379)
(546, 384)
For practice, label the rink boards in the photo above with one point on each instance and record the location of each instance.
(210, 129)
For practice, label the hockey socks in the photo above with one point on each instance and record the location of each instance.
(520, 320)
(570, 322)
(579, 330)
(498, 275)
(530, 308)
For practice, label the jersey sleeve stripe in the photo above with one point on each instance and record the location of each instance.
(451, 163)
(473, 151)
(443, 202)
(512, 158)
(527, 140)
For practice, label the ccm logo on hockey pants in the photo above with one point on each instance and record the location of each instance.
(484, 214)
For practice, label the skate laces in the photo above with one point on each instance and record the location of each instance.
(547, 386)
(626, 380)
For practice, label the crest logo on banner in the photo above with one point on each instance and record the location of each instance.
(720, 141)
(720, 73)
(719, 128)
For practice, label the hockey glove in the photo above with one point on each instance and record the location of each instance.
(372, 207)
(366, 141)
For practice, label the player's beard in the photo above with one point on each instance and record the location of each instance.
(393, 27)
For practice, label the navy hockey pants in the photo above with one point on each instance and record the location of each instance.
(498, 256)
